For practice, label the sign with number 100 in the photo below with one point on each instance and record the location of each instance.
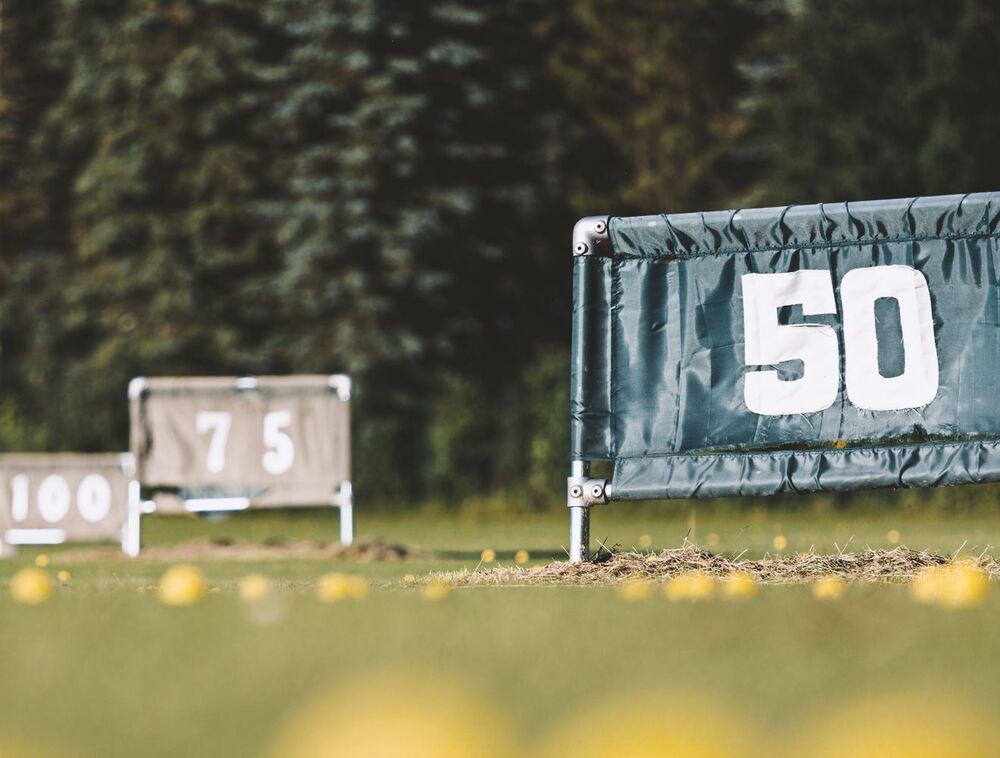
(769, 342)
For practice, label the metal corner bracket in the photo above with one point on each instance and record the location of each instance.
(584, 492)
(341, 384)
(590, 236)
(136, 387)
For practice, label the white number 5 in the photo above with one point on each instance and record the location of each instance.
(281, 453)
(767, 342)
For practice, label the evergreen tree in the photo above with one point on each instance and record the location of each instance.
(879, 99)
(661, 85)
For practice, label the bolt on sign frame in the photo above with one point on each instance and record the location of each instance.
(799, 349)
(54, 498)
(213, 444)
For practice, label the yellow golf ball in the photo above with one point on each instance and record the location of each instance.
(31, 586)
(182, 584)
(692, 585)
(254, 587)
(435, 590)
(64, 576)
(828, 588)
(488, 556)
(521, 557)
(335, 586)
(42, 561)
(739, 585)
(635, 590)
(420, 714)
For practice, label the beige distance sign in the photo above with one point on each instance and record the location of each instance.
(52, 498)
(229, 443)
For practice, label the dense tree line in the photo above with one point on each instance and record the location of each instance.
(386, 188)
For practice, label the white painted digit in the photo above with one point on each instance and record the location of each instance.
(93, 498)
(769, 343)
(218, 423)
(20, 494)
(53, 498)
(280, 454)
(866, 387)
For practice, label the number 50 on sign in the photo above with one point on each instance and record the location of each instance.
(768, 342)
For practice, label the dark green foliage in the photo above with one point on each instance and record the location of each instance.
(387, 188)
(861, 99)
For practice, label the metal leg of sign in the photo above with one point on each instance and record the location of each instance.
(579, 512)
(344, 499)
(579, 534)
(582, 494)
(132, 531)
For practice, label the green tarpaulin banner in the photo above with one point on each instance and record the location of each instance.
(804, 348)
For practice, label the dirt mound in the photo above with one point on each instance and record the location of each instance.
(870, 565)
(226, 549)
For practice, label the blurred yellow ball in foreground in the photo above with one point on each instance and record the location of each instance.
(645, 541)
(521, 557)
(488, 556)
(910, 725)
(650, 727)
(64, 576)
(739, 585)
(691, 585)
(828, 588)
(31, 586)
(254, 587)
(958, 585)
(182, 584)
(435, 590)
(780, 542)
(893, 536)
(42, 561)
(635, 589)
(403, 715)
(333, 587)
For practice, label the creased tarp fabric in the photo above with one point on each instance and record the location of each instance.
(172, 452)
(658, 351)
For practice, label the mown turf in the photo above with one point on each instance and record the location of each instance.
(107, 671)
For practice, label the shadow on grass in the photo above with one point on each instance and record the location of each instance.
(502, 556)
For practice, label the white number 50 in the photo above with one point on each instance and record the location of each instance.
(767, 342)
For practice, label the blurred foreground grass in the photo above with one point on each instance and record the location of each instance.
(103, 669)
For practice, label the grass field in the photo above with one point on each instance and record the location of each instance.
(103, 669)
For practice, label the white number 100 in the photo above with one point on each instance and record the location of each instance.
(768, 342)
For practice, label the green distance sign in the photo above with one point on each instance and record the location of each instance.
(804, 348)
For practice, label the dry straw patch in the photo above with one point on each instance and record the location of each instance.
(898, 564)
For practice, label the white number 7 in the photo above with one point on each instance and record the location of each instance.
(767, 342)
(218, 423)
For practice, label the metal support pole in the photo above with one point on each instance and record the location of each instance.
(579, 514)
(579, 534)
(132, 531)
(344, 499)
